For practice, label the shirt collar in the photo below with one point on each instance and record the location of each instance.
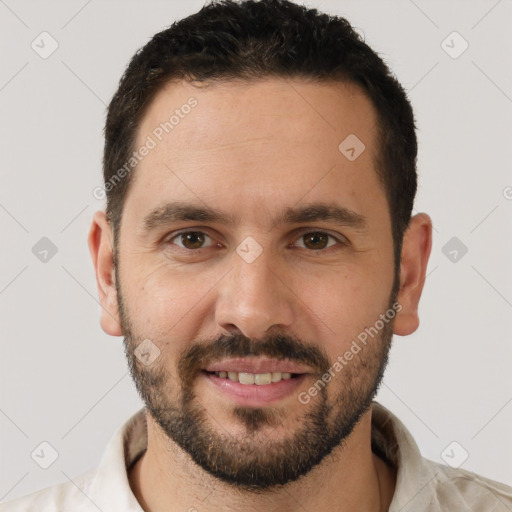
(394, 443)
(110, 487)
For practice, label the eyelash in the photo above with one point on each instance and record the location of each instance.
(342, 242)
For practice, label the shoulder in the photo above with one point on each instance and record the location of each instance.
(57, 498)
(455, 488)
(424, 485)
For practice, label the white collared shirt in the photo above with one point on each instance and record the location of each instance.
(422, 485)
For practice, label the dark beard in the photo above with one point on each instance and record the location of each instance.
(252, 462)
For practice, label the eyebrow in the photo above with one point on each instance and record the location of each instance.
(180, 211)
(314, 212)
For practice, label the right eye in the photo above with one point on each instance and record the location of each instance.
(191, 240)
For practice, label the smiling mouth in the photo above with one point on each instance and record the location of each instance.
(258, 379)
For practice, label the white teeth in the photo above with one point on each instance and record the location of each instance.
(276, 376)
(260, 379)
(246, 378)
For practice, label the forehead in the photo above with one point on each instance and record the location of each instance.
(223, 112)
(272, 139)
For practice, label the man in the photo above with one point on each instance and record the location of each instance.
(257, 253)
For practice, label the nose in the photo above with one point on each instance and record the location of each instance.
(253, 297)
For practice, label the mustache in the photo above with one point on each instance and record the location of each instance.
(278, 346)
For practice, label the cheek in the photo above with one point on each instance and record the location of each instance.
(167, 304)
(346, 303)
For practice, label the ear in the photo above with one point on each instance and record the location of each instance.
(415, 253)
(100, 242)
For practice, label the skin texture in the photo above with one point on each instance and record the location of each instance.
(251, 150)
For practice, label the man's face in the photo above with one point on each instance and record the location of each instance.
(266, 289)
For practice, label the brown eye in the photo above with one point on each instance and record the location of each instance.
(316, 240)
(191, 239)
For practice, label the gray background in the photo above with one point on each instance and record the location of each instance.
(65, 382)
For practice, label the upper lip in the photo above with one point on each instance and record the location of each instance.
(256, 365)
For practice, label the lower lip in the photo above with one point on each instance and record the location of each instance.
(253, 394)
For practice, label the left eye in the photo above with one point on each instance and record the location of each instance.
(191, 239)
(317, 240)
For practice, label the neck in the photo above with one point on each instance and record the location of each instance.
(351, 478)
